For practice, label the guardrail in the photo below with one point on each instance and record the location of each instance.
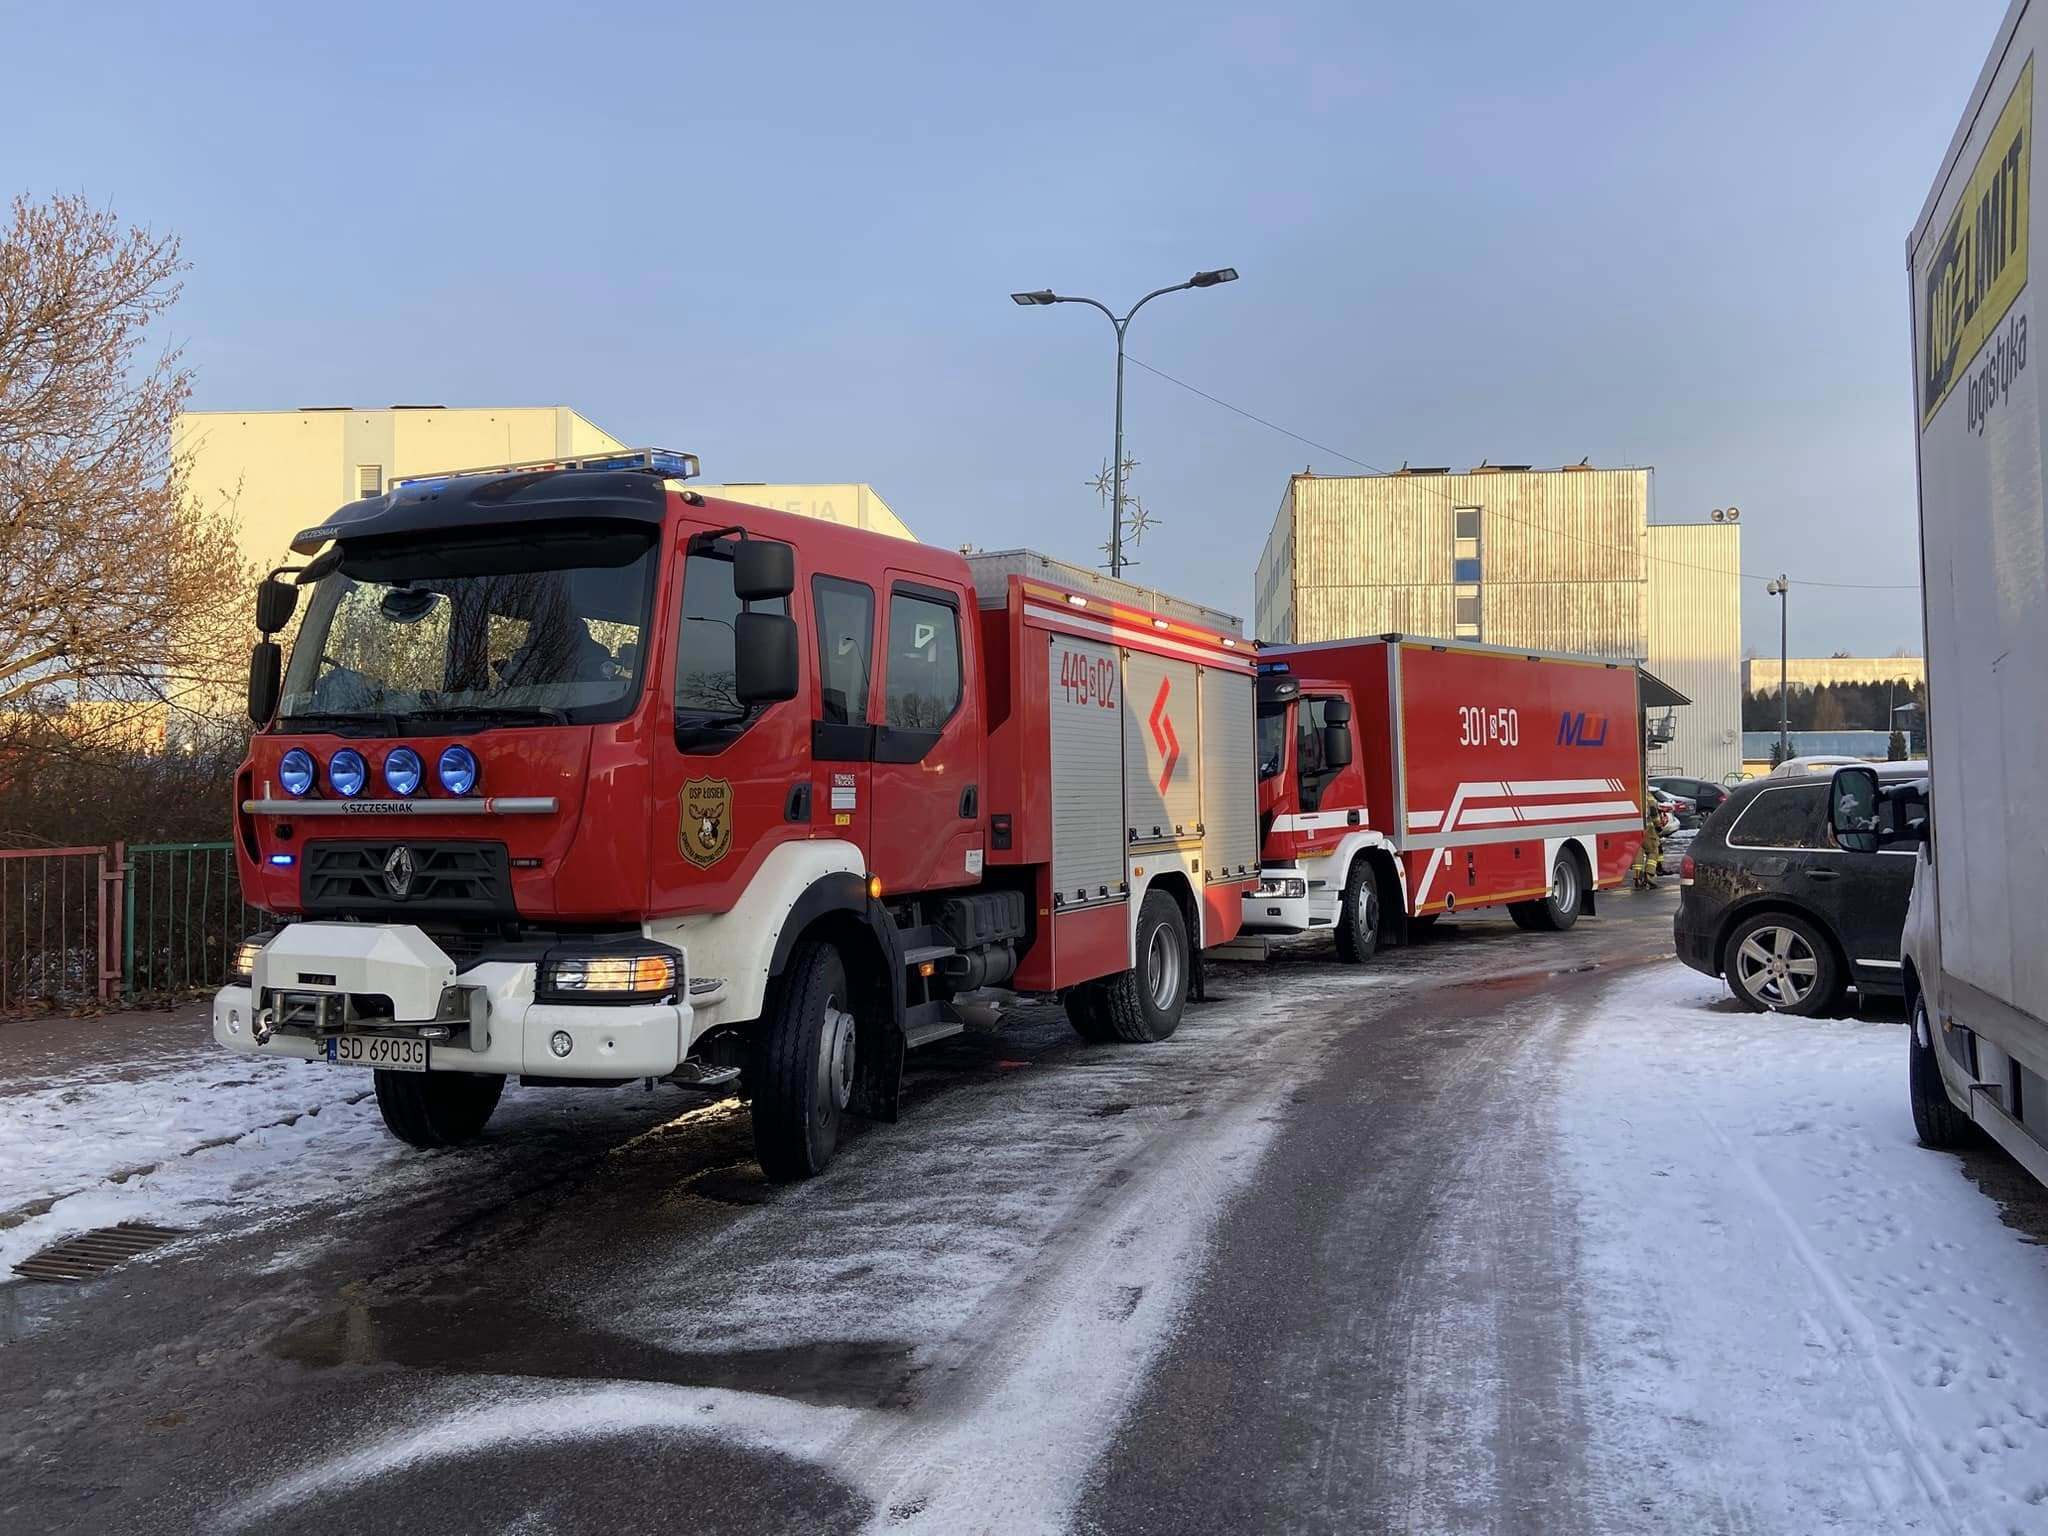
(60, 938)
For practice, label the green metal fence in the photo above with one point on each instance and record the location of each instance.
(183, 917)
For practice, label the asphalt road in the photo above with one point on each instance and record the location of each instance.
(1250, 1279)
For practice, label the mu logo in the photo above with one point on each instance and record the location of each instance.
(1581, 730)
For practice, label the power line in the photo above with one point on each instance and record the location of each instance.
(1688, 565)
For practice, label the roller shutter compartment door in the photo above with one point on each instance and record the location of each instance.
(1087, 772)
(1230, 809)
(1162, 748)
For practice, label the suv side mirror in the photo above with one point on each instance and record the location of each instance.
(276, 601)
(266, 669)
(1853, 794)
(764, 656)
(763, 569)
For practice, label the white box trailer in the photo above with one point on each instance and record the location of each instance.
(1975, 949)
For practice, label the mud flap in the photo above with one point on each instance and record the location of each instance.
(1198, 978)
(878, 1068)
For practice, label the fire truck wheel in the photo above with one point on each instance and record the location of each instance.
(1567, 899)
(1085, 1011)
(1358, 921)
(802, 1075)
(1145, 1002)
(437, 1109)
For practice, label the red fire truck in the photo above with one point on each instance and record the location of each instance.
(578, 776)
(1481, 776)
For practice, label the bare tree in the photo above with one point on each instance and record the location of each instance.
(112, 585)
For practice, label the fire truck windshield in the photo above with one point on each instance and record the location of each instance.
(488, 629)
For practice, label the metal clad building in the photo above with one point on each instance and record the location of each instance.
(1555, 560)
(1694, 642)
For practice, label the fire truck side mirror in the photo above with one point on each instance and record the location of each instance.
(764, 661)
(1336, 746)
(266, 666)
(275, 602)
(763, 569)
(1336, 711)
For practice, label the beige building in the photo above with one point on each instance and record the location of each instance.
(285, 470)
(1760, 673)
(1557, 560)
(857, 506)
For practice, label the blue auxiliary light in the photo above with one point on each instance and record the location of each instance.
(296, 771)
(347, 772)
(402, 771)
(457, 770)
(283, 860)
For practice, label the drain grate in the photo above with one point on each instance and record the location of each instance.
(94, 1253)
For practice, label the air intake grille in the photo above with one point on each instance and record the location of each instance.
(353, 878)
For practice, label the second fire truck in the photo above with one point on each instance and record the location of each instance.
(1401, 780)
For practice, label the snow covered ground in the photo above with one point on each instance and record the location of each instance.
(193, 1136)
(1797, 1312)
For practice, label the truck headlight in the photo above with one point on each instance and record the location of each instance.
(246, 953)
(638, 973)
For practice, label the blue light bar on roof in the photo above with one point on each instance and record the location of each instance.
(665, 462)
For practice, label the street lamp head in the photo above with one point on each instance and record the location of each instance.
(1211, 279)
(1043, 296)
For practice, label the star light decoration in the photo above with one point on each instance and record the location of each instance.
(1138, 520)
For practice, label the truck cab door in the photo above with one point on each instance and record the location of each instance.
(1330, 793)
(928, 741)
(842, 732)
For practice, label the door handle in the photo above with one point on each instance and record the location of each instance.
(1823, 874)
(970, 803)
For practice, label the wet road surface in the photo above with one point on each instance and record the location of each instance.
(1257, 1277)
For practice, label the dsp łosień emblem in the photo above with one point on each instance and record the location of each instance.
(705, 833)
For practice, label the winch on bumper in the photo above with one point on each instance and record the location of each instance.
(316, 981)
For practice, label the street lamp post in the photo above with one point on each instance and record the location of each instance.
(1207, 279)
(1778, 589)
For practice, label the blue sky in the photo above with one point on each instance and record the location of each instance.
(784, 238)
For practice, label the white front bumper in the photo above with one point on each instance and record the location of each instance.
(509, 1031)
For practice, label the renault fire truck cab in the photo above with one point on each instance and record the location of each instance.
(578, 776)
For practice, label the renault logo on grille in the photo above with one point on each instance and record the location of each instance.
(398, 872)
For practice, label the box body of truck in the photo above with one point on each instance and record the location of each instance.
(1976, 942)
(1472, 772)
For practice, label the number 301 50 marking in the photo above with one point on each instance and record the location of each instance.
(1488, 727)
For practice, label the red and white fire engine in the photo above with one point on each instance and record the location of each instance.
(1403, 779)
(578, 776)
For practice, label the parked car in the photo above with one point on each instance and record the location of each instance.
(1769, 901)
(1822, 763)
(1672, 849)
(1683, 811)
(1704, 793)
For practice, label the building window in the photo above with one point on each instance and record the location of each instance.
(1465, 571)
(369, 479)
(1465, 612)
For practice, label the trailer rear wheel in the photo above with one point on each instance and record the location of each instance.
(803, 1068)
(1087, 1013)
(1560, 909)
(1145, 1003)
(1358, 920)
(1935, 1117)
(437, 1109)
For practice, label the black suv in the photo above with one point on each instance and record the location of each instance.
(1770, 901)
